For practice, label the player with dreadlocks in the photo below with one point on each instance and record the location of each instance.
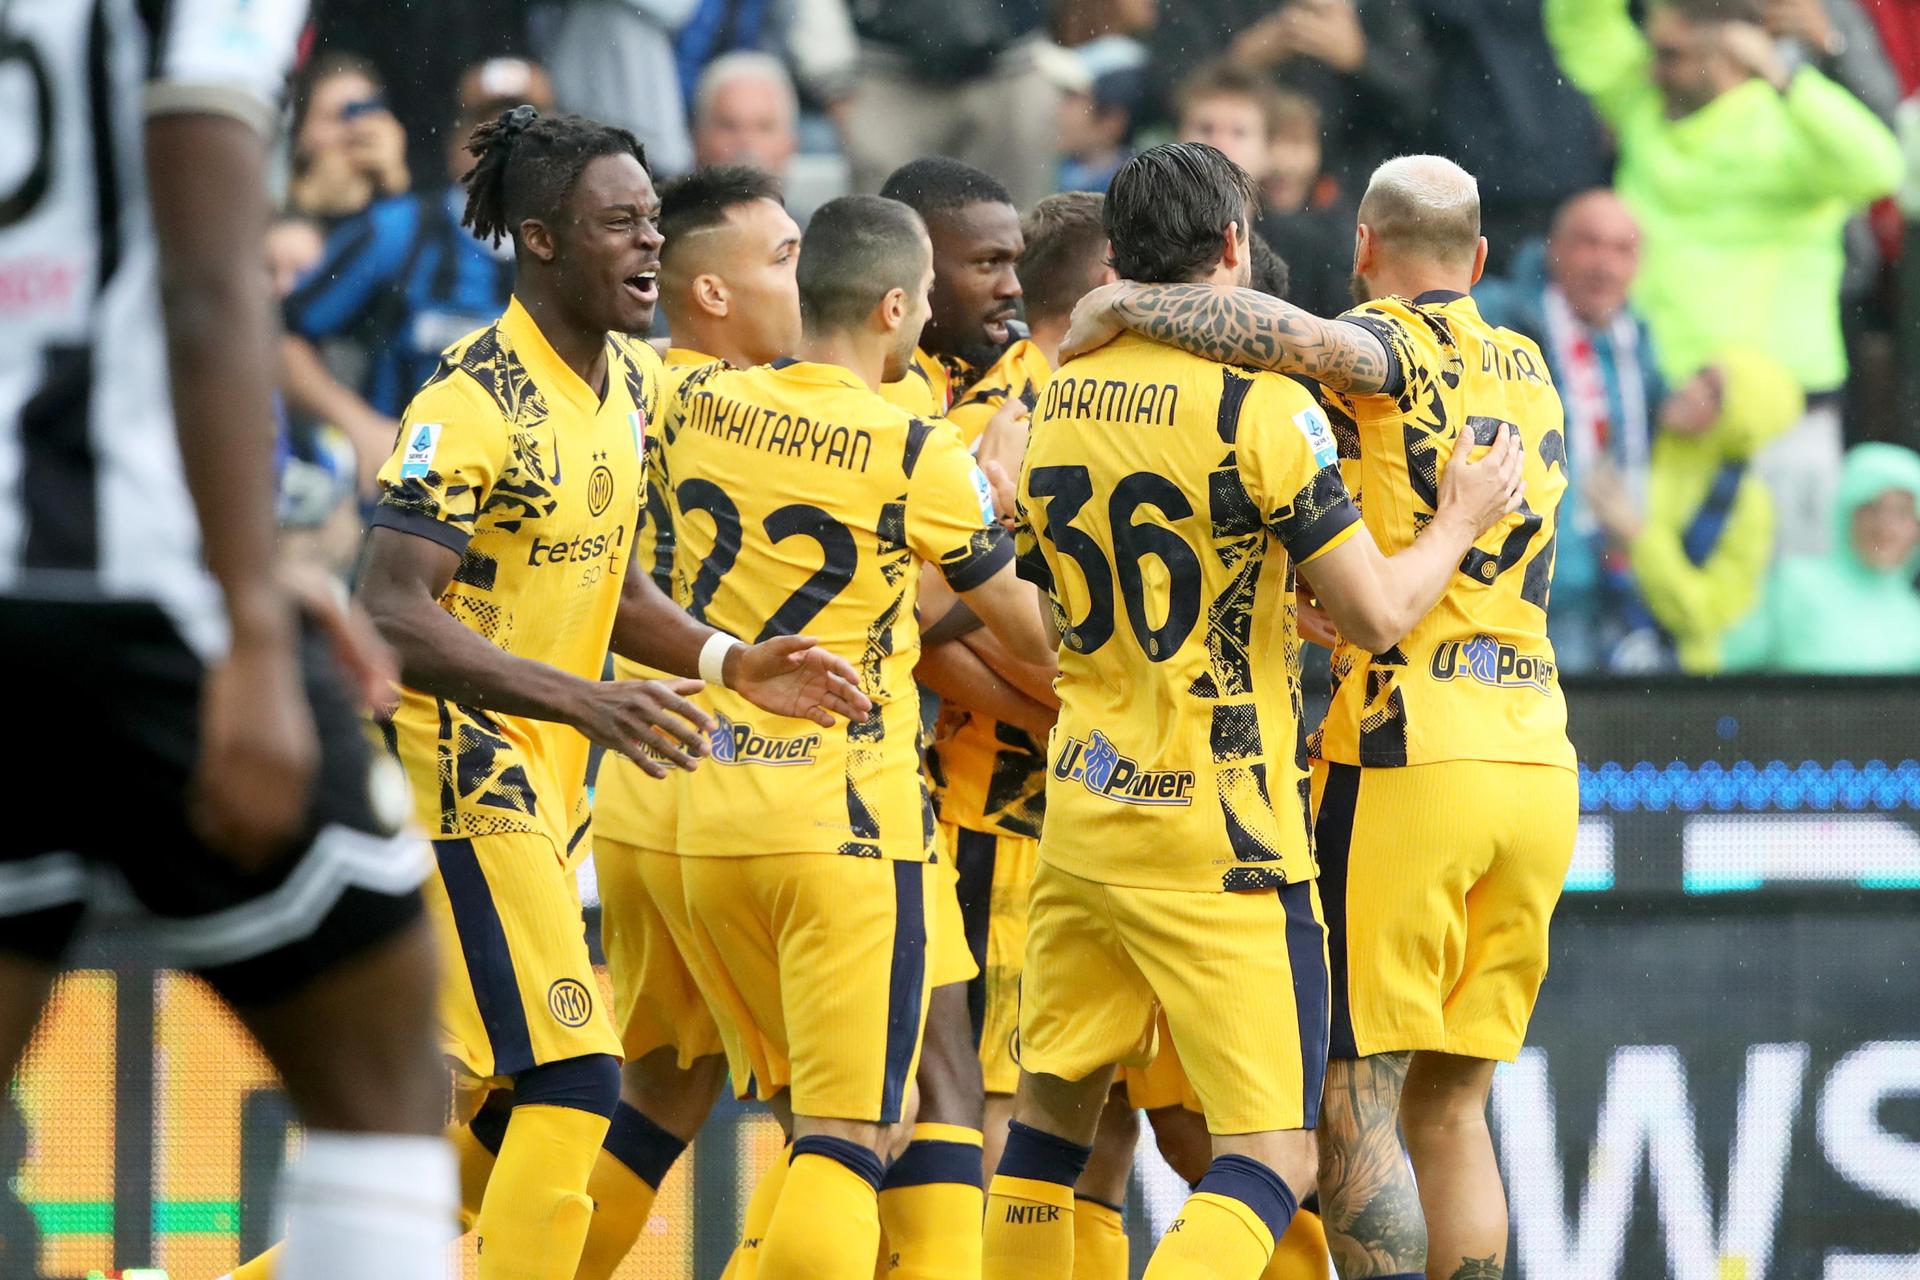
(497, 568)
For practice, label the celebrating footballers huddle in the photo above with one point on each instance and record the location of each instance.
(1119, 874)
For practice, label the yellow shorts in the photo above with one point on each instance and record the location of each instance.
(644, 932)
(951, 959)
(996, 875)
(1242, 977)
(815, 966)
(517, 988)
(1439, 881)
(1163, 1082)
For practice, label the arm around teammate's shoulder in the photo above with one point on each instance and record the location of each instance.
(1375, 599)
(1235, 326)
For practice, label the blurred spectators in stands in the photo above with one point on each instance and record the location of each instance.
(745, 111)
(1839, 38)
(614, 60)
(1854, 610)
(1502, 109)
(961, 78)
(295, 246)
(1274, 136)
(1570, 296)
(1097, 119)
(1743, 207)
(1700, 543)
(1364, 64)
(404, 280)
(1898, 22)
(421, 48)
(348, 150)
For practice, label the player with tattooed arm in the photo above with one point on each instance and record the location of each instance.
(1444, 784)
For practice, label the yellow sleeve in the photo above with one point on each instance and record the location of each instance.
(453, 446)
(1290, 467)
(950, 509)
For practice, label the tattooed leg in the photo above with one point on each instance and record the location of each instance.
(1444, 1112)
(1367, 1196)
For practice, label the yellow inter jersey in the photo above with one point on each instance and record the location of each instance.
(991, 776)
(1476, 679)
(508, 458)
(628, 806)
(804, 503)
(1165, 500)
(927, 387)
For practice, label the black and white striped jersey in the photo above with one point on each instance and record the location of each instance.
(93, 502)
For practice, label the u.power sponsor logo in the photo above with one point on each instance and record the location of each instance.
(1496, 665)
(1098, 766)
(737, 743)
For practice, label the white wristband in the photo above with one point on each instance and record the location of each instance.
(713, 658)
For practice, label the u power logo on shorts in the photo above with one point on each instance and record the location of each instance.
(570, 1003)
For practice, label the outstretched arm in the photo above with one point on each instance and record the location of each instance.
(1235, 326)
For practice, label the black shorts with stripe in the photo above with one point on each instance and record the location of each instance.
(100, 788)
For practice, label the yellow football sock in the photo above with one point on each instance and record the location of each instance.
(1099, 1241)
(622, 1202)
(1029, 1231)
(1215, 1237)
(931, 1203)
(534, 1218)
(1301, 1254)
(635, 1161)
(476, 1166)
(260, 1268)
(745, 1262)
(827, 1223)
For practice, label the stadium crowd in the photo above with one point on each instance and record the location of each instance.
(1700, 219)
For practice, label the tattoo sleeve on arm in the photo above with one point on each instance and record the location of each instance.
(1240, 326)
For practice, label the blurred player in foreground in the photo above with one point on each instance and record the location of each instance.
(1437, 908)
(1166, 500)
(138, 585)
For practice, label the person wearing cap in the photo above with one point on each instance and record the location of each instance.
(403, 280)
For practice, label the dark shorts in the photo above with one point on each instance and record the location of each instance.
(106, 733)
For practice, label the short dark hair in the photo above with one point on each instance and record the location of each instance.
(937, 184)
(1168, 207)
(326, 66)
(701, 200)
(1066, 243)
(1271, 275)
(527, 165)
(858, 249)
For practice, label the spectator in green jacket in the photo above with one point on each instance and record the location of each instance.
(1699, 552)
(1743, 174)
(1853, 611)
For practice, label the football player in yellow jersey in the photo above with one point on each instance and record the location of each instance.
(1165, 501)
(497, 568)
(727, 288)
(975, 233)
(1438, 898)
(803, 499)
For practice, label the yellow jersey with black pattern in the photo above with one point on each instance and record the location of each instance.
(989, 775)
(1476, 678)
(926, 389)
(804, 503)
(1022, 370)
(628, 806)
(509, 459)
(1164, 502)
